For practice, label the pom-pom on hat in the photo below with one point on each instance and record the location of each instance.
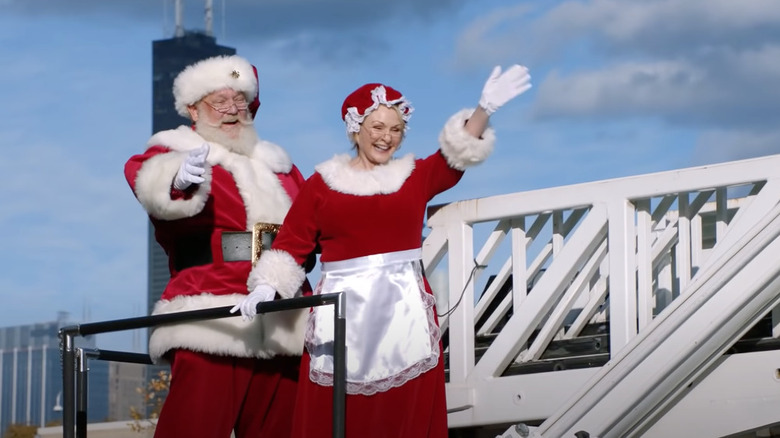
(212, 74)
(254, 105)
(367, 98)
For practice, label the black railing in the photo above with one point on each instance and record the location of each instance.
(74, 360)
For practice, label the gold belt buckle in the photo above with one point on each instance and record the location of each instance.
(263, 235)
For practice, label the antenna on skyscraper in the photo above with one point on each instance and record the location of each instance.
(223, 19)
(209, 18)
(165, 17)
(179, 32)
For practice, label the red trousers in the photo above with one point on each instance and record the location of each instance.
(417, 409)
(212, 396)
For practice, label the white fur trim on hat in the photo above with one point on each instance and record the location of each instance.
(461, 149)
(212, 74)
(279, 270)
(354, 119)
(267, 335)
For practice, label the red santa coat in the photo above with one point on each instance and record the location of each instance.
(352, 213)
(238, 192)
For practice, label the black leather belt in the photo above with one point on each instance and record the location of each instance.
(236, 246)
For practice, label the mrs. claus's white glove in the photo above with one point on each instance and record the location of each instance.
(192, 168)
(248, 305)
(500, 87)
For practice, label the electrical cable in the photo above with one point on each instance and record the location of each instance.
(471, 276)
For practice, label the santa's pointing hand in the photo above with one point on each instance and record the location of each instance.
(192, 168)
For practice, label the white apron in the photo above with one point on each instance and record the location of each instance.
(391, 334)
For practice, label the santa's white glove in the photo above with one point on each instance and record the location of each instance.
(500, 87)
(248, 305)
(192, 168)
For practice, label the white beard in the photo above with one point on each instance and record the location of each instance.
(244, 144)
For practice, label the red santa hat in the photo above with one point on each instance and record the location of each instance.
(213, 74)
(361, 102)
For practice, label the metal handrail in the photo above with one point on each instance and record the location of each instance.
(74, 419)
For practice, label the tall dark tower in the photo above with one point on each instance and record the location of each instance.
(169, 57)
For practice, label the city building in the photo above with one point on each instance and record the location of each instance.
(125, 382)
(31, 375)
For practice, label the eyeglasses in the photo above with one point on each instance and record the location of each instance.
(225, 107)
(377, 132)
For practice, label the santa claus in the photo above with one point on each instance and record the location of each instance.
(204, 187)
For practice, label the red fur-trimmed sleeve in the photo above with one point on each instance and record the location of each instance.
(151, 174)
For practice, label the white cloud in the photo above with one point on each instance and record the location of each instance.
(714, 146)
(624, 89)
(654, 26)
(491, 38)
(731, 90)
(698, 63)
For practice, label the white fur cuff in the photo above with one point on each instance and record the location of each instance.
(461, 149)
(268, 335)
(279, 270)
(153, 188)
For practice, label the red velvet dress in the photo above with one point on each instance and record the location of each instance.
(348, 226)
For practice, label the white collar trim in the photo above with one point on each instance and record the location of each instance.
(340, 176)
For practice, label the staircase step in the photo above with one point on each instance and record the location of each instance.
(591, 349)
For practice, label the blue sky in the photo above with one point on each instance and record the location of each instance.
(620, 88)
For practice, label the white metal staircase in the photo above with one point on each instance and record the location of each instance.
(639, 306)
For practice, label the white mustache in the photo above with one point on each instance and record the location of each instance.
(232, 119)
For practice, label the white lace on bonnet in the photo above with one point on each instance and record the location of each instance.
(379, 96)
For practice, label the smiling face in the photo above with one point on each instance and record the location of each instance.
(226, 110)
(223, 117)
(379, 137)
